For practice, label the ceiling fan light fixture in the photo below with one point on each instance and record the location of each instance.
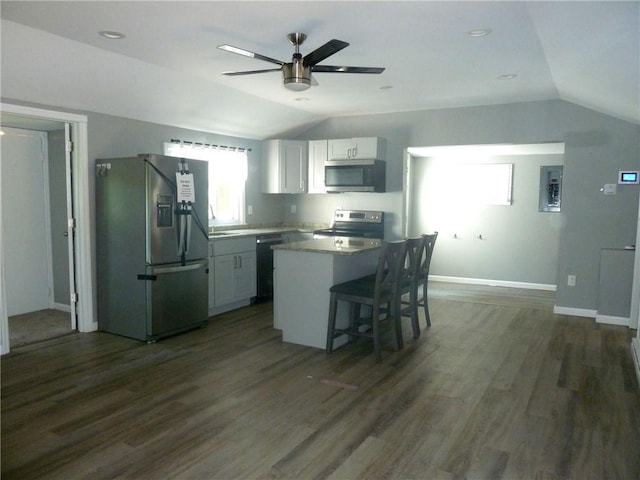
(297, 84)
(296, 76)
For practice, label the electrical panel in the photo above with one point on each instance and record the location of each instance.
(550, 188)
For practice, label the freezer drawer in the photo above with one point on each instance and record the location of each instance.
(176, 297)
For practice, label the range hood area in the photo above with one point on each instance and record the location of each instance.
(324, 166)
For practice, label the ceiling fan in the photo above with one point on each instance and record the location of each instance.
(297, 73)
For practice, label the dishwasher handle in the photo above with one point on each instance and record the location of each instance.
(269, 239)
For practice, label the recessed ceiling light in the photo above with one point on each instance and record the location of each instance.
(479, 32)
(111, 34)
(302, 99)
(508, 76)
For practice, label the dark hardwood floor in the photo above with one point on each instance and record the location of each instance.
(498, 387)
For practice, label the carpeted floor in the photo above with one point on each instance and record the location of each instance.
(37, 326)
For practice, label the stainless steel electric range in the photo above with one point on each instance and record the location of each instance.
(354, 223)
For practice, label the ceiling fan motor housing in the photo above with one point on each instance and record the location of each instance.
(297, 77)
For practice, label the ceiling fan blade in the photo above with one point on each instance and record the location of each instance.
(326, 50)
(247, 53)
(250, 72)
(338, 69)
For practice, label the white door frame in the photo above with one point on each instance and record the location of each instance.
(84, 268)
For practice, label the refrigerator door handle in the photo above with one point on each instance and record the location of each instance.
(178, 269)
(188, 227)
(181, 249)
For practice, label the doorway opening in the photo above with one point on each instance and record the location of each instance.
(483, 200)
(34, 217)
(57, 248)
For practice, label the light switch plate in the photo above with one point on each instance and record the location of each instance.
(610, 189)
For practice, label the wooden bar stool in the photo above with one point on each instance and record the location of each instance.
(408, 276)
(379, 292)
(419, 278)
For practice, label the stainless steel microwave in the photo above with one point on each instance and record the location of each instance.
(355, 176)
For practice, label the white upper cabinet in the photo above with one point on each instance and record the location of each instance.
(318, 154)
(357, 148)
(284, 166)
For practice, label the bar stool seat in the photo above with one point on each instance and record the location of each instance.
(379, 292)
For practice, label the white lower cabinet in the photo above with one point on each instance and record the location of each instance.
(232, 273)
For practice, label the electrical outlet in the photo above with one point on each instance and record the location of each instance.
(250, 210)
(293, 209)
(571, 280)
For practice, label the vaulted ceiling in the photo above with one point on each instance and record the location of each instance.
(167, 69)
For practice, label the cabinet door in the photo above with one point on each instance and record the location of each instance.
(212, 291)
(340, 149)
(271, 166)
(318, 154)
(284, 166)
(357, 148)
(244, 276)
(223, 269)
(368, 148)
(293, 164)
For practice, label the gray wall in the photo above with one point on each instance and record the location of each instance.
(117, 137)
(596, 147)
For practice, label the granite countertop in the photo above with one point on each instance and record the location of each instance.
(333, 245)
(251, 231)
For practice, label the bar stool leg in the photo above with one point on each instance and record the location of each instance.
(426, 304)
(333, 308)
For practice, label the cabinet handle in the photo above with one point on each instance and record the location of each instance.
(235, 262)
(239, 262)
(354, 152)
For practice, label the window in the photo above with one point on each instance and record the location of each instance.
(227, 177)
(485, 183)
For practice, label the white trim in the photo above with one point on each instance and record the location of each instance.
(61, 307)
(574, 312)
(85, 271)
(611, 320)
(550, 148)
(4, 318)
(635, 351)
(40, 113)
(493, 283)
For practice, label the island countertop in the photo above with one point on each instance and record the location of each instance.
(303, 273)
(334, 245)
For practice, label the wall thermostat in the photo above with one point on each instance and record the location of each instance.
(628, 177)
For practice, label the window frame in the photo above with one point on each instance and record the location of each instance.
(201, 152)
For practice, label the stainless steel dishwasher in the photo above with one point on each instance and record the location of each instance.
(264, 265)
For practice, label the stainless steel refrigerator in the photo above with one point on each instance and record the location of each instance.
(152, 245)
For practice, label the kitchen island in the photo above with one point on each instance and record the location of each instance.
(303, 274)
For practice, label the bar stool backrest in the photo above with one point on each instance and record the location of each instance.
(387, 273)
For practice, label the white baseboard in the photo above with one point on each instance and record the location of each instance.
(61, 307)
(635, 353)
(611, 320)
(575, 312)
(493, 283)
